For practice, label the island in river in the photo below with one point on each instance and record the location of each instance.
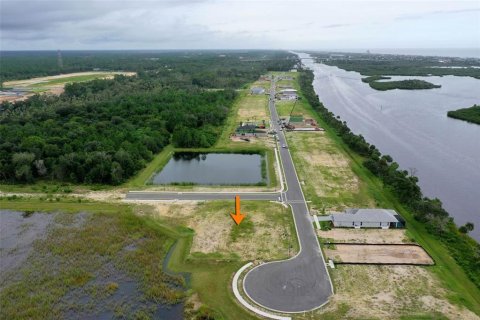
(409, 84)
(471, 114)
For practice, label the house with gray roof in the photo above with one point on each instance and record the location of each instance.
(257, 90)
(368, 218)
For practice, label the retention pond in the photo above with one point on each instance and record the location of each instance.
(213, 169)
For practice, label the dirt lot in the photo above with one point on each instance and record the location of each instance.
(388, 254)
(265, 234)
(365, 235)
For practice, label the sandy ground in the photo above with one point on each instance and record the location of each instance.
(55, 89)
(378, 254)
(388, 292)
(29, 82)
(365, 235)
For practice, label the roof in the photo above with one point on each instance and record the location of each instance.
(257, 90)
(288, 91)
(367, 215)
(247, 127)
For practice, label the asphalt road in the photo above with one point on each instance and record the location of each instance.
(295, 285)
(140, 195)
(302, 282)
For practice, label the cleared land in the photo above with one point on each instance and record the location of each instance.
(365, 235)
(382, 254)
(267, 232)
(388, 292)
(54, 84)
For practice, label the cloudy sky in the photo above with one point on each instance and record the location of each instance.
(213, 24)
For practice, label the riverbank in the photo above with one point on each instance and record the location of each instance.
(451, 274)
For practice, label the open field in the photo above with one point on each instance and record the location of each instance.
(388, 292)
(328, 179)
(381, 254)
(267, 233)
(54, 84)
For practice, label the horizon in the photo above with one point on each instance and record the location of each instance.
(215, 25)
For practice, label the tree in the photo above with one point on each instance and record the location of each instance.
(468, 227)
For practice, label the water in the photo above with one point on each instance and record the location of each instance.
(439, 52)
(412, 126)
(212, 169)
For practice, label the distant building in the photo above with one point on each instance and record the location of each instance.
(257, 90)
(368, 218)
(287, 94)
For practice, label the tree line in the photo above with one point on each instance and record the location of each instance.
(465, 250)
(104, 131)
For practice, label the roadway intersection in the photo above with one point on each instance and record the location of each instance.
(301, 283)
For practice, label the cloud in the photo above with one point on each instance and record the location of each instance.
(183, 24)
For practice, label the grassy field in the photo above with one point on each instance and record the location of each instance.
(448, 284)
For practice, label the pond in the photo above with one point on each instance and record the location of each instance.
(213, 169)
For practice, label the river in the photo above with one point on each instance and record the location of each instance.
(412, 126)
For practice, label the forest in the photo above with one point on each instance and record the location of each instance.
(465, 250)
(471, 114)
(104, 131)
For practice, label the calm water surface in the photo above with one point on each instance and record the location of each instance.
(212, 168)
(413, 127)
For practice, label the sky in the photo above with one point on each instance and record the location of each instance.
(228, 24)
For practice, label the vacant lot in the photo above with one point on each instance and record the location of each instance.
(325, 173)
(387, 254)
(387, 236)
(267, 233)
(388, 292)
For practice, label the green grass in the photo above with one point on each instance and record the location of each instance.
(154, 166)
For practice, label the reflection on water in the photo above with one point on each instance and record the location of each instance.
(413, 127)
(212, 168)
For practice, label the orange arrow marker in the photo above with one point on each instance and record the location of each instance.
(237, 217)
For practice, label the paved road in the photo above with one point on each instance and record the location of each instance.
(295, 285)
(301, 283)
(140, 195)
